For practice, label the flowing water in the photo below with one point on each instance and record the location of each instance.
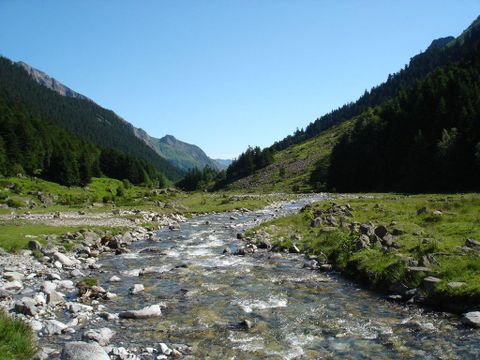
(298, 313)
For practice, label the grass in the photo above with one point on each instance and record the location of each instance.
(445, 234)
(102, 195)
(15, 235)
(291, 169)
(16, 339)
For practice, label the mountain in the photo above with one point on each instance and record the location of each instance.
(49, 82)
(223, 163)
(49, 99)
(181, 154)
(376, 142)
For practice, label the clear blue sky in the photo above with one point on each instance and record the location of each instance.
(224, 74)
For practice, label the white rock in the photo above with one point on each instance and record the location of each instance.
(83, 351)
(40, 298)
(48, 286)
(13, 276)
(164, 349)
(36, 325)
(472, 319)
(101, 336)
(114, 279)
(66, 284)
(54, 327)
(137, 288)
(13, 286)
(64, 259)
(146, 312)
(76, 308)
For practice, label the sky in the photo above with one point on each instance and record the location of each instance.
(229, 73)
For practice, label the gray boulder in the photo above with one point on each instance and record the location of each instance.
(472, 319)
(83, 351)
(101, 336)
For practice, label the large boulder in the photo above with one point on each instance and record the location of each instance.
(472, 319)
(83, 351)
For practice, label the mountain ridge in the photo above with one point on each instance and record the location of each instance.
(195, 158)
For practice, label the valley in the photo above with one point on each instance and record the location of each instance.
(354, 237)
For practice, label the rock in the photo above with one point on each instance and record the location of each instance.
(437, 213)
(176, 354)
(164, 349)
(326, 267)
(174, 227)
(34, 245)
(430, 283)
(455, 284)
(26, 306)
(264, 244)
(108, 316)
(294, 249)
(101, 336)
(146, 312)
(472, 319)
(54, 298)
(13, 276)
(83, 351)
(227, 251)
(5, 294)
(316, 222)
(63, 259)
(418, 269)
(246, 324)
(473, 244)
(54, 327)
(13, 286)
(328, 229)
(114, 279)
(137, 288)
(362, 242)
(48, 286)
(77, 273)
(76, 308)
(240, 236)
(381, 231)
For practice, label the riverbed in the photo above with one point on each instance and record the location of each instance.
(294, 312)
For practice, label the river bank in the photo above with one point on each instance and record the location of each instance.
(178, 292)
(415, 249)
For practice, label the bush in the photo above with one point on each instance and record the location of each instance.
(16, 339)
(14, 203)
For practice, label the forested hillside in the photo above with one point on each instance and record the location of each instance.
(78, 116)
(32, 145)
(440, 52)
(419, 131)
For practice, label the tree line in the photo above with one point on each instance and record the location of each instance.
(34, 145)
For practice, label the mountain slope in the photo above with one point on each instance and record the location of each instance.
(182, 155)
(439, 53)
(76, 114)
(294, 165)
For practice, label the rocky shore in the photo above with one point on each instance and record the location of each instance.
(369, 235)
(56, 292)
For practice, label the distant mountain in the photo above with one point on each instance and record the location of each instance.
(223, 163)
(181, 154)
(78, 114)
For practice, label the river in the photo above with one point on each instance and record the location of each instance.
(297, 313)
